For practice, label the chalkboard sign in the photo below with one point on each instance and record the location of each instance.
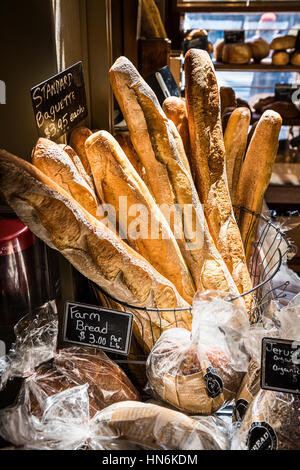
(234, 37)
(163, 84)
(280, 365)
(59, 103)
(284, 92)
(98, 327)
(200, 42)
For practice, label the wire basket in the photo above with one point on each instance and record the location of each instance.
(270, 248)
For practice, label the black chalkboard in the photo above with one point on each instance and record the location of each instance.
(200, 42)
(163, 84)
(284, 92)
(98, 327)
(59, 103)
(280, 365)
(234, 37)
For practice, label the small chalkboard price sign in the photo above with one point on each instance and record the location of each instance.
(234, 37)
(284, 92)
(98, 327)
(59, 103)
(280, 365)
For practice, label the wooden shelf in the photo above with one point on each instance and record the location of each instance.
(263, 66)
(238, 6)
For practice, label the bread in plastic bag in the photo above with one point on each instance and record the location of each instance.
(77, 365)
(272, 421)
(200, 371)
(47, 371)
(66, 424)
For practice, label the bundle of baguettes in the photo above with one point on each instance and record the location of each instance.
(208, 157)
(97, 252)
(159, 146)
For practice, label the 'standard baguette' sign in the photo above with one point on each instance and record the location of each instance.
(98, 327)
(280, 365)
(59, 103)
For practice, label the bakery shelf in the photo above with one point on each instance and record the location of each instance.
(264, 66)
(237, 6)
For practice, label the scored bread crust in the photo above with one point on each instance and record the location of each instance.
(153, 138)
(256, 171)
(235, 141)
(78, 163)
(98, 253)
(123, 139)
(114, 176)
(208, 154)
(175, 110)
(77, 140)
(52, 160)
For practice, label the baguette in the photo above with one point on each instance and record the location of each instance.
(56, 163)
(256, 172)
(175, 110)
(227, 99)
(152, 25)
(123, 139)
(92, 248)
(235, 141)
(208, 154)
(77, 140)
(152, 135)
(78, 163)
(114, 176)
(156, 427)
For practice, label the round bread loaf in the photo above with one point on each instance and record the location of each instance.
(260, 49)
(295, 58)
(280, 58)
(175, 374)
(74, 366)
(236, 53)
(283, 42)
(270, 423)
(218, 50)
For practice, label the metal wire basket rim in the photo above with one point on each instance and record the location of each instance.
(231, 299)
(185, 309)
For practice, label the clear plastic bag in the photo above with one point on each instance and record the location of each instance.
(272, 419)
(47, 372)
(66, 424)
(200, 371)
(36, 340)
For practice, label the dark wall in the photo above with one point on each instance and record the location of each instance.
(27, 52)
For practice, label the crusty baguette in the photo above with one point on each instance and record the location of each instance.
(96, 251)
(123, 139)
(114, 176)
(235, 140)
(208, 154)
(227, 99)
(152, 135)
(52, 160)
(256, 171)
(78, 163)
(77, 140)
(175, 110)
(155, 427)
(152, 25)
